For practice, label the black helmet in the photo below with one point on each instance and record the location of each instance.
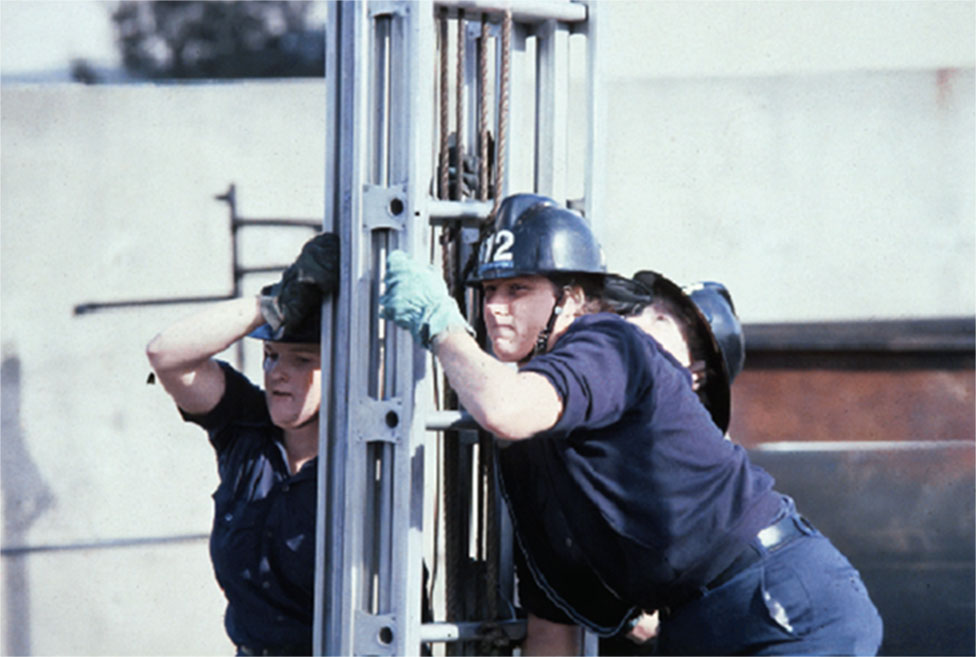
(715, 302)
(710, 304)
(309, 329)
(535, 236)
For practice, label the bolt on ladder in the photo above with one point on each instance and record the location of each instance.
(389, 186)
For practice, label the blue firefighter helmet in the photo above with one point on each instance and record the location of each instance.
(309, 331)
(709, 305)
(715, 303)
(533, 235)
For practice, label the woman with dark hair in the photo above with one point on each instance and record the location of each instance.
(624, 494)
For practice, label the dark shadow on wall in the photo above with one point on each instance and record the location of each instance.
(25, 499)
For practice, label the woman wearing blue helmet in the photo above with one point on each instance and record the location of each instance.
(697, 324)
(623, 492)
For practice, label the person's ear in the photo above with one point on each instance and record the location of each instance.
(574, 294)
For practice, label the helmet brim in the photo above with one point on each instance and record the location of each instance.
(264, 332)
(715, 392)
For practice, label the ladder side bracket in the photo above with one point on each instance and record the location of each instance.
(384, 207)
(375, 634)
(379, 421)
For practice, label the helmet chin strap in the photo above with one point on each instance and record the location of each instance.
(542, 342)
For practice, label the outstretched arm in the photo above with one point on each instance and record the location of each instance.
(508, 403)
(182, 354)
(504, 401)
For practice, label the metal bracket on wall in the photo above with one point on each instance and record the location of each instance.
(238, 271)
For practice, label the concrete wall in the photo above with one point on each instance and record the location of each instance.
(815, 186)
(814, 156)
(718, 38)
(812, 197)
(108, 194)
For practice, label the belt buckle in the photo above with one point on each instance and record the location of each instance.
(770, 536)
(780, 532)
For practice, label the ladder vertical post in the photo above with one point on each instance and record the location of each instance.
(551, 109)
(369, 550)
(520, 161)
(339, 563)
(596, 153)
(412, 167)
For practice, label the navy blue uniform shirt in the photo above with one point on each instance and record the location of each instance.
(263, 540)
(634, 492)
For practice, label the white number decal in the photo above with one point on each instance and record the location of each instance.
(502, 243)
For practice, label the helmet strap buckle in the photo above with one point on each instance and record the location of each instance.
(542, 342)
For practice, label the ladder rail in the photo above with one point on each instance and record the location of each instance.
(335, 575)
(377, 398)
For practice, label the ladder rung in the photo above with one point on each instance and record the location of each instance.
(450, 421)
(524, 11)
(472, 630)
(468, 213)
(261, 269)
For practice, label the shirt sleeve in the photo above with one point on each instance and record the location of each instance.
(242, 402)
(598, 369)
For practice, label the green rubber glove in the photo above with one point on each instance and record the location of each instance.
(303, 285)
(416, 299)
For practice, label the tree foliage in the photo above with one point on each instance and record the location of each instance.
(241, 39)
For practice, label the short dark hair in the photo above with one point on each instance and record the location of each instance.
(625, 296)
(688, 324)
(591, 284)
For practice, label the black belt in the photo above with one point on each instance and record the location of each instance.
(772, 538)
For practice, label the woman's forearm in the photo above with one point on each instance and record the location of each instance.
(197, 338)
(508, 403)
(182, 354)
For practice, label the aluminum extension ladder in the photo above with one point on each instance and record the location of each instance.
(378, 406)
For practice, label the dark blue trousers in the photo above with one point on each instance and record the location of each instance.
(801, 598)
